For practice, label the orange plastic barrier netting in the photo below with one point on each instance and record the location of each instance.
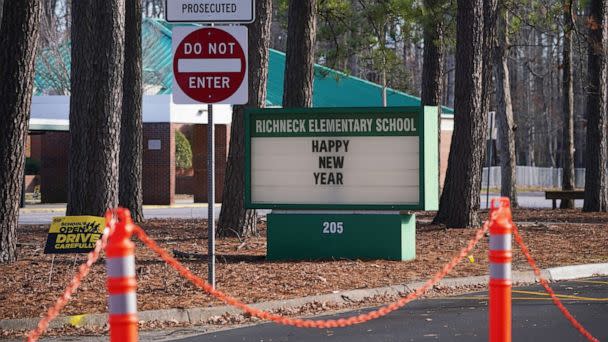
(306, 323)
(549, 290)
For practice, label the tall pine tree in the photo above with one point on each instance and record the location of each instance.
(98, 33)
(596, 179)
(234, 218)
(568, 102)
(459, 201)
(300, 55)
(131, 129)
(504, 108)
(19, 30)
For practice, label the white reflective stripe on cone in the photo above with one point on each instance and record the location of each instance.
(500, 242)
(500, 271)
(121, 304)
(121, 267)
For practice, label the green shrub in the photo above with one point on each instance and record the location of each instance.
(32, 166)
(183, 151)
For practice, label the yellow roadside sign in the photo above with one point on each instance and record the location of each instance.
(74, 234)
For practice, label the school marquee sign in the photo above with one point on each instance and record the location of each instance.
(342, 158)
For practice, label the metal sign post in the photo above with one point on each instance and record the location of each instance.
(211, 194)
(210, 66)
(22, 200)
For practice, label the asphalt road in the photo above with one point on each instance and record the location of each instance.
(462, 318)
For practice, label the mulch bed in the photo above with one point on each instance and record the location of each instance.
(243, 272)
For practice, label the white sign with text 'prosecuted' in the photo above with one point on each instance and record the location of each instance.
(210, 11)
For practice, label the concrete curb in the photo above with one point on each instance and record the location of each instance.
(573, 272)
(198, 315)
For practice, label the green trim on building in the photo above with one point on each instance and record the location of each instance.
(431, 159)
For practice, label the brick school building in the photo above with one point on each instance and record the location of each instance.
(48, 141)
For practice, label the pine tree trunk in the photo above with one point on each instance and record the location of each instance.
(19, 32)
(131, 129)
(460, 198)
(234, 218)
(47, 23)
(504, 110)
(490, 14)
(95, 105)
(68, 15)
(580, 98)
(449, 90)
(526, 107)
(1, 9)
(568, 106)
(596, 187)
(516, 102)
(432, 69)
(300, 55)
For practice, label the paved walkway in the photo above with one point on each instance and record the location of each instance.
(44, 213)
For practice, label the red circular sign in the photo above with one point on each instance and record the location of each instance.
(209, 65)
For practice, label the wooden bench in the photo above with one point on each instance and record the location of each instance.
(564, 194)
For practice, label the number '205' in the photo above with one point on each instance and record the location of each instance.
(333, 227)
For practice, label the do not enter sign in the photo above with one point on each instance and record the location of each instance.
(210, 65)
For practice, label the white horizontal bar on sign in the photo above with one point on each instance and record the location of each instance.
(375, 146)
(330, 195)
(380, 162)
(337, 212)
(348, 178)
(209, 65)
(351, 162)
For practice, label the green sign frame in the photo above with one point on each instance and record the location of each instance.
(427, 120)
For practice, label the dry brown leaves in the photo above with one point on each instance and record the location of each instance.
(243, 272)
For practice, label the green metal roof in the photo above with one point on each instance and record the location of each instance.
(157, 56)
(331, 88)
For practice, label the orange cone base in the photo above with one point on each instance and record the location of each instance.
(123, 328)
(500, 311)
